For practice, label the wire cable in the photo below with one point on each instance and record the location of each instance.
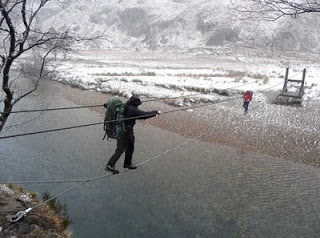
(207, 131)
(37, 181)
(198, 94)
(100, 105)
(86, 180)
(53, 109)
(22, 214)
(130, 118)
(51, 130)
(100, 123)
(270, 87)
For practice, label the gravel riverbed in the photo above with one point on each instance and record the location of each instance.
(286, 132)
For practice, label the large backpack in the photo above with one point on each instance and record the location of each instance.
(113, 124)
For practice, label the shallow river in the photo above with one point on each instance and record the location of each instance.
(201, 190)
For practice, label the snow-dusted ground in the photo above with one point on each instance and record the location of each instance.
(283, 131)
(167, 75)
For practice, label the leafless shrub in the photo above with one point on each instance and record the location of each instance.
(60, 209)
(224, 92)
(20, 36)
(257, 76)
(235, 74)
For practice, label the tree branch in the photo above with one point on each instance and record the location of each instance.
(275, 9)
(20, 36)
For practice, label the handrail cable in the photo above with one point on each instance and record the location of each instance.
(99, 123)
(54, 109)
(197, 94)
(130, 118)
(100, 105)
(57, 181)
(21, 214)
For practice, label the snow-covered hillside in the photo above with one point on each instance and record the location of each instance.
(192, 47)
(182, 24)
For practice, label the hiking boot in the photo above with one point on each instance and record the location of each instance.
(112, 169)
(129, 166)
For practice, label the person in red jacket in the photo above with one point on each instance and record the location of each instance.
(247, 97)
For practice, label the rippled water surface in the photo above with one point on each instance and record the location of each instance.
(201, 190)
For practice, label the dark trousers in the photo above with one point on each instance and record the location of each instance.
(246, 105)
(124, 144)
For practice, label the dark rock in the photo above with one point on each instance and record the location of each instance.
(53, 235)
(34, 227)
(10, 207)
(39, 221)
(24, 229)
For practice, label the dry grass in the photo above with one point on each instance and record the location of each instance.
(194, 75)
(228, 74)
(62, 219)
(124, 74)
(235, 74)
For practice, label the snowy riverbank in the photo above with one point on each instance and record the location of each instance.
(196, 78)
(281, 131)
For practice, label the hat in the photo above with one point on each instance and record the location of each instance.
(134, 101)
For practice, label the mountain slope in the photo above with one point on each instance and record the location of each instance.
(182, 24)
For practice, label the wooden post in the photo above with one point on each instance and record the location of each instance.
(301, 92)
(284, 90)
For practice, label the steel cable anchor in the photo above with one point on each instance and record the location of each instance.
(19, 215)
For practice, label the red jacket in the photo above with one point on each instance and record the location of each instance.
(247, 96)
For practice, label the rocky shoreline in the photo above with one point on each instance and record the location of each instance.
(41, 222)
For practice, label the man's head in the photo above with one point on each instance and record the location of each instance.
(134, 101)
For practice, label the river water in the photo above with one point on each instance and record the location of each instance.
(201, 190)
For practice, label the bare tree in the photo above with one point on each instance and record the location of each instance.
(20, 36)
(275, 9)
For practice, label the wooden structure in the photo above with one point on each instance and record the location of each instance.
(297, 95)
